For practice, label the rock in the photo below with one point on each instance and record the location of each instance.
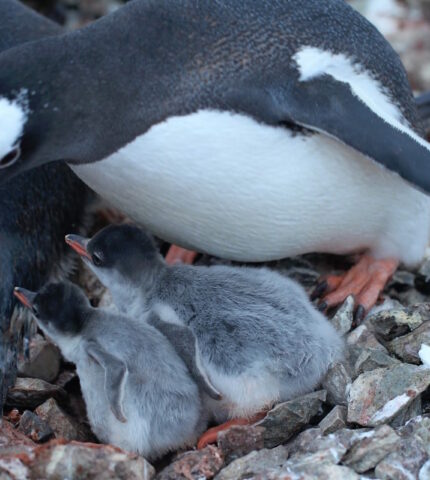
(196, 464)
(393, 323)
(418, 428)
(34, 427)
(78, 460)
(31, 392)
(403, 464)
(307, 277)
(314, 467)
(371, 359)
(425, 471)
(330, 448)
(402, 280)
(378, 396)
(288, 418)
(414, 409)
(62, 424)
(65, 378)
(370, 450)
(13, 441)
(239, 440)
(254, 465)
(408, 346)
(342, 320)
(335, 420)
(337, 383)
(363, 337)
(44, 361)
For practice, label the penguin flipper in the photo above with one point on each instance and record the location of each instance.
(327, 105)
(185, 344)
(115, 377)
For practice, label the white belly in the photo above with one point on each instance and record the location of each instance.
(225, 184)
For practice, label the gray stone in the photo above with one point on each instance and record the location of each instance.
(393, 323)
(371, 359)
(403, 464)
(371, 449)
(414, 409)
(62, 424)
(343, 318)
(334, 421)
(378, 396)
(315, 467)
(44, 360)
(239, 440)
(255, 464)
(363, 337)
(288, 418)
(34, 427)
(419, 429)
(329, 448)
(408, 346)
(88, 461)
(31, 392)
(337, 383)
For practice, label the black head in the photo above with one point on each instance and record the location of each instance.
(58, 307)
(126, 249)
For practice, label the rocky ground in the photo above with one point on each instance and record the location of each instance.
(370, 418)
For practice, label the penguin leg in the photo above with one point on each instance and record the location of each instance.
(177, 255)
(365, 281)
(211, 435)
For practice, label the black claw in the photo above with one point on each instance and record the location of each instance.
(359, 315)
(322, 306)
(319, 289)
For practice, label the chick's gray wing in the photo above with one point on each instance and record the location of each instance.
(115, 377)
(185, 344)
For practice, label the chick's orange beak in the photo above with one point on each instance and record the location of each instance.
(26, 297)
(79, 245)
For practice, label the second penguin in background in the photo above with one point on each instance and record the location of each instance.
(251, 333)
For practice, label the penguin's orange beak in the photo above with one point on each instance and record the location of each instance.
(79, 245)
(26, 297)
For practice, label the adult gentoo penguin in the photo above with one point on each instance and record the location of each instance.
(249, 130)
(37, 208)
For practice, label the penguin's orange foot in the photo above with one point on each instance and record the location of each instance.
(177, 255)
(365, 281)
(211, 435)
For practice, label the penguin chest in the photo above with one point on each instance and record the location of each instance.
(225, 184)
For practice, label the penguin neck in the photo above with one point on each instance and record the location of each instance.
(137, 296)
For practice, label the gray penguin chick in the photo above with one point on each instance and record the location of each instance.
(138, 392)
(256, 338)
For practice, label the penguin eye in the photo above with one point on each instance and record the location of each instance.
(97, 259)
(10, 158)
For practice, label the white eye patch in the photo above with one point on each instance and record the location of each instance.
(12, 119)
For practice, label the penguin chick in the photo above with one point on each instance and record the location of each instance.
(139, 394)
(255, 336)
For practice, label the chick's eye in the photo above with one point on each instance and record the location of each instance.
(10, 158)
(97, 259)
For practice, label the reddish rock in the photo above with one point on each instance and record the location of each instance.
(193, 465)
(239, 440)
(76, 460)
(62, 424)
